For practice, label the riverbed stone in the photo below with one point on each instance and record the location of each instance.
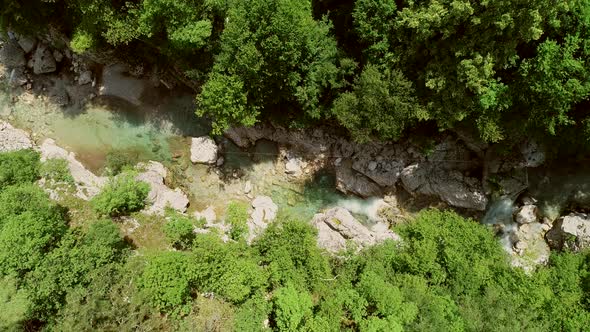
(160, 196)
(27, 43)
(12, 139)
(17, 77)
(337, 228)
(11, 55)
(44, 62)
(203, 150)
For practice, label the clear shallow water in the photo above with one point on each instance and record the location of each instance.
(159, 130)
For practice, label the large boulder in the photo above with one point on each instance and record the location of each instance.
(337, 227)
(11, 55)
(203, 150)
(12, 139)
(160, 195)
(570, 232)
(527, 214)
(264, 212)
(451, 186)
(27, 43)
(349, 181)
(88, 185)
(529, 248)
(43, 61)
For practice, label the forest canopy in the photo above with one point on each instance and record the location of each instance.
(378, 68)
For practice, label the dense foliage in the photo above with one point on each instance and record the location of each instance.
(121, 195)
(378, 68)
(448, 274)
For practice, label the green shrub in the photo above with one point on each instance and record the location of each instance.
(56, 170)
(19, 167)
(122, 195)
(166, 282)
(81, 41)
(16, 200)
(179, 231)
(237, 217)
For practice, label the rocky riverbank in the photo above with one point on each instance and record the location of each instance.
(454, 168)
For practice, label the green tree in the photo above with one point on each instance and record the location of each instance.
(273, 55)
(382, 102)
(237, 217)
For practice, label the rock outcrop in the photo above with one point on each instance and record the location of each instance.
(87, 184)
(337, 227)
(12, 139)
(264, 212)
(43, 61)
(527, 214)
(375, 168)
(203, 150)
(570, 232)
(160, 195)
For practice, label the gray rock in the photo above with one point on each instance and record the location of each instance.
(247, 187)
(88, 185)
(203, 150)
(337, 226)
(27, 43)
(208, 214)
(12, 139)
(85, 77)
(532, 153)
(294, 164)
(11, 55)
(160, 195)
(58, 56)
(349, 181)
(527, 214)
(529, 248)
(17, 77)
(44, 61)
(265, 211)
(450, 186)
(570, 232)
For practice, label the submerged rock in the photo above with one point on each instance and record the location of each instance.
(203, 150)
(337, 227)
(12, 139)
(160, 195)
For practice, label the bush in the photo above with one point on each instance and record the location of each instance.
(237, 217)
(166, 282)
(56, 170)
(16, 200)
(179, 231)
(19, 167)
(81, 41)
(121, 196)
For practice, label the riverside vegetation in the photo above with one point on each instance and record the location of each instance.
(63, 269)
(377, 70)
